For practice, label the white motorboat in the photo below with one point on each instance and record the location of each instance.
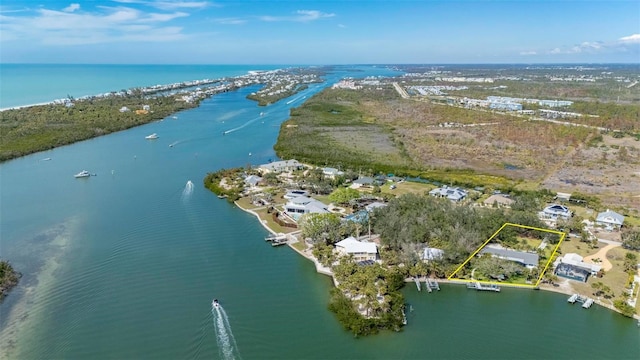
(151, 137)
(82, 174)
(215, 303)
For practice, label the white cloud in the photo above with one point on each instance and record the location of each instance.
(71, 8)
(104, 25)
(230, 21)
(342, 26)
(170, 5)
(632, 39)
(301, 16)
(621, 45)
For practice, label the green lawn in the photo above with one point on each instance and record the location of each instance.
(407, 187)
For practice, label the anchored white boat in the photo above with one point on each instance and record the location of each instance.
(82, 174)
(151, 137)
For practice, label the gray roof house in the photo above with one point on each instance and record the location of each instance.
(453, 194)
(301, 205)
(280, 166)
(252, 180)
(527, 259)
(572, 266)
(555, 212)
(610, 219)
(363, 181)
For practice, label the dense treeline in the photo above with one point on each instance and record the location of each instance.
(8, 278)
(624, 117)
(375, 291)
(412, 221)
(36, 128)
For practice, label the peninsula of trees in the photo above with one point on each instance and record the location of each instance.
(8, 278)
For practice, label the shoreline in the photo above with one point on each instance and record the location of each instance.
(324, 271)
(319, 268)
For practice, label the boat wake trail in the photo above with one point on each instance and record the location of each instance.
(188, 190)
(242, 126)
(224, 337)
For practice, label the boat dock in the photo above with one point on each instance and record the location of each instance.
(276, 240)
(404, 317)
(417, 283)
(480, 287)
(432, 284)
(585, 301)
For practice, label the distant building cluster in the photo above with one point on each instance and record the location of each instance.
(512, 104)
(436, 90)
(346, 84)
(465, 79)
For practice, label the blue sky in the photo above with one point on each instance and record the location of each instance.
(318, 32)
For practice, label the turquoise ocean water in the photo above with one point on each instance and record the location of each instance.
(125, 264)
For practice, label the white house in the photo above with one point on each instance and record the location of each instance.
(453, 194)
(331, 173)
(610, 219)
(429, 254)
(374, 205)
(360, 250)
(555, 212)
(280, 166)
(124, 109)
(301, 205)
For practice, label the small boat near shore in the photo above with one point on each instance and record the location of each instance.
(82, 174)
(152, 136)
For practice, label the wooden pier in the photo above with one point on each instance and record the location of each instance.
(417, 283)
(480, 287)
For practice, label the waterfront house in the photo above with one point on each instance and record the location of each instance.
(301, 205)
(429, 254)
(554, 212)
(280, 166)
(530, 260)
(571, 266)
(453, 194)
(360, 250)
(610, 220)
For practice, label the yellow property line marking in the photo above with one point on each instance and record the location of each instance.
(555, 250)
